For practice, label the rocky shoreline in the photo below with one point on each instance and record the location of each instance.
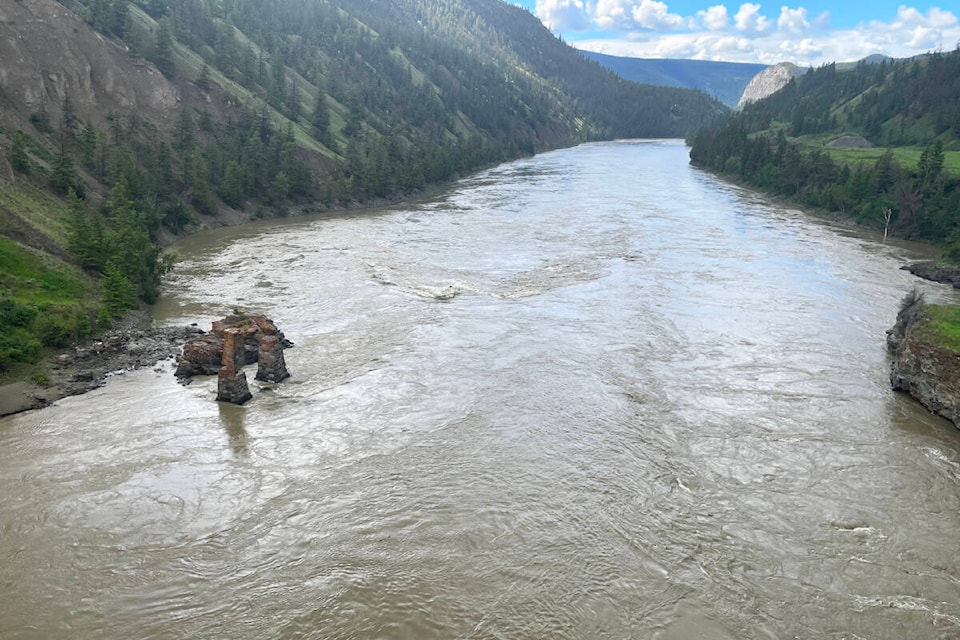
(935, 273)
(920, 366)
(131, 345)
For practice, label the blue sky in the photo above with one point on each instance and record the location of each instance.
(809, 33)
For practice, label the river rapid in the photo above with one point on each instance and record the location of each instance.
(592, 394)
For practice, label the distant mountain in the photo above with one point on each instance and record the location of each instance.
(723, 80)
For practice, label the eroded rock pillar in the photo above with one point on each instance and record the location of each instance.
(271, 367)
(232, 381)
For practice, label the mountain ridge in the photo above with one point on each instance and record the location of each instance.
(724, 80)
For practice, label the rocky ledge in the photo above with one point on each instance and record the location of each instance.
(921, 364)
(935, 273)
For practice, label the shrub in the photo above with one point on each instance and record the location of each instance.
(53, 330)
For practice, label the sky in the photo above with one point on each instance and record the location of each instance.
(812, 33)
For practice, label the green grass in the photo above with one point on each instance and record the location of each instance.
(906, 156)
(942, 326)
(35, 279)
(44, 302)
(38, 207)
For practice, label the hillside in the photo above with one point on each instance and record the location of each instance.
(878, 143)
(149, 119)
(724, 80)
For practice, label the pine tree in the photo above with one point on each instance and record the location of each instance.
(63, 177)
(119, 293)
(320, 119)
(163, 54)
(231, 189)
(17, 155)
(84, 234)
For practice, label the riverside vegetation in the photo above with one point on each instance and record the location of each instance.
(172, 115)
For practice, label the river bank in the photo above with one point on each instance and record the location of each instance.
(925, 362)
(132, 344)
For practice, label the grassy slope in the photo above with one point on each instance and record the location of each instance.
(907, 156)
(44, 302)
(941, 326)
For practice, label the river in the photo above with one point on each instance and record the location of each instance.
(592, 394)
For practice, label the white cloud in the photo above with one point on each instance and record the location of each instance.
(714, 18)
(628, 15)
(613, 14)
(562, 15)
(749, 21)
(793, 20)
(922, 32)
(650, 14)
(650, 30)
(822, 21)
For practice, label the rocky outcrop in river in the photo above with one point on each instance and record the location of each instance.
(922, 366)
(203, 355)
(935, 272)
(233, 342)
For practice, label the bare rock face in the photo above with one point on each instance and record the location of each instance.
(769, 81)
(233, 342)
(926, 370)
(6, 171)
(253, 327)
(231, 380)
(50, 53)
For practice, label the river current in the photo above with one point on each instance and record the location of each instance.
(592, 394)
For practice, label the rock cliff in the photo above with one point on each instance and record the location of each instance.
(50, 53)
(922, 365)
(769, 81)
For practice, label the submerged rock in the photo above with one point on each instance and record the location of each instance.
(921, 366)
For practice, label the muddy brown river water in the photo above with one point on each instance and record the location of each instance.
(592, 394)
